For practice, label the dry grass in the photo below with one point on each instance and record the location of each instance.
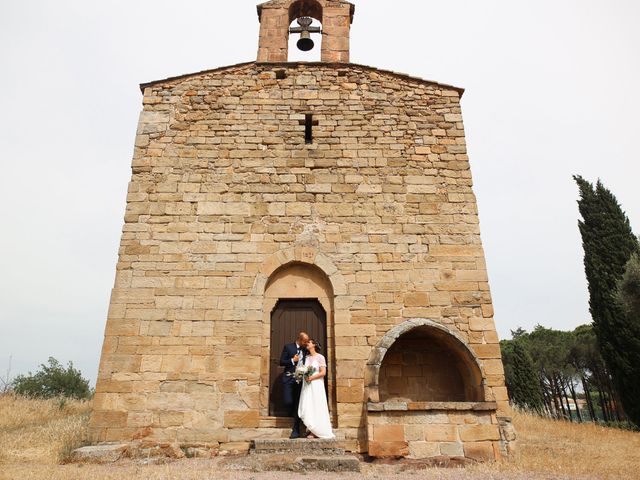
(577, 450)
(36, 436)
(43, 431)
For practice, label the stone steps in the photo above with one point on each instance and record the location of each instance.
(302, 455)
(276, 422)
(332, 463)
(300, 445)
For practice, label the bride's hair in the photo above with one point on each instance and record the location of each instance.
(316, 344)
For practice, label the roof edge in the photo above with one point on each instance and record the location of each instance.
(404, 76)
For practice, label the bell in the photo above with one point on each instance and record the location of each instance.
(305, 30)
(305, 43)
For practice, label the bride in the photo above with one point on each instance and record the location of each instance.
(313, 409)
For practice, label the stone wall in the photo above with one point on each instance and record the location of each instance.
(428, 434)
(224, 191)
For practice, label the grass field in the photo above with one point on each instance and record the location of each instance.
(36, 436)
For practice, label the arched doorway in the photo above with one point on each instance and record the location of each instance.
(289, 317)
(297, 296)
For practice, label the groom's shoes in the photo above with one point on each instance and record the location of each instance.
(294, 434)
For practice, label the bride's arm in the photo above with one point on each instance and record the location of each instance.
(320, 374)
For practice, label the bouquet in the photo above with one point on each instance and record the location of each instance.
(303, 372)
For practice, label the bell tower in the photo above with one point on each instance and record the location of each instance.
(276, 17)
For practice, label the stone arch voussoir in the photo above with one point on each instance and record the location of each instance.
(303, 255)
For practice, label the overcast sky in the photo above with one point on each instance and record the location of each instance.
(552, 89)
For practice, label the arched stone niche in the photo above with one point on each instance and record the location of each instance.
(422, 361)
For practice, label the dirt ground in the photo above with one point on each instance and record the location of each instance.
(210, 470)
(37, 437)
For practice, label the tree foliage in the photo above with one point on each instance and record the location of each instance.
(609, 244)
(568, 369)
(53, 380)
(629, 289)
(521, 376)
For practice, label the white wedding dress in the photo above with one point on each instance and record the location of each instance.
(313, 409)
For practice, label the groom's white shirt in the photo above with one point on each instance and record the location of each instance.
(299, 352)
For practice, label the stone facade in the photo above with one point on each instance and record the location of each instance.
(229, 208)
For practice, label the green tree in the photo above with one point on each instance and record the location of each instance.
(592, 372)
(629, 289)
(521, 376)
(53, 380)
(609, 243)
(550, 351)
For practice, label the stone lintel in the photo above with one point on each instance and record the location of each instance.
(431, 406)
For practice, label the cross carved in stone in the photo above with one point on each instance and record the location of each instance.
(308, 123)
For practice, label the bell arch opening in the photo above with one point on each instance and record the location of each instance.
(305, 46)
(314, 54)
(424, 362)
(305, 8)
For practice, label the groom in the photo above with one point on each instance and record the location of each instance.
(291, 354)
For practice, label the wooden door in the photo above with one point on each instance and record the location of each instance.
(287, 319)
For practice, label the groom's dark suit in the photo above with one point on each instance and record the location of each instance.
(291, 389)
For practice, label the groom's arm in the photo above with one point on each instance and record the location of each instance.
(285, 358)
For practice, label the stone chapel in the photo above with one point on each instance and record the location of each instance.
(273, 196)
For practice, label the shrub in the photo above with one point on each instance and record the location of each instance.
(53, 380)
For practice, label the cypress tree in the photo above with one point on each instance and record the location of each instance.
(609, 243)
(629, 291)
(521, 377)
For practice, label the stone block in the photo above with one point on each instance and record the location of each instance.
(355, 330)
(234, 448)
(352, 353)
(388, 449)
(493, 367)
(388, 433)
(441, 433)
(350, 394)
(455, 250)
(170, 419)
(424, 449)
(110, 418)
(479, 433)
(480, 324)
(489, 350)
(242, 419)
(487, 311)
(479, 451)
(430, 418)
(99, 454)
(240, 364)
(452, 449)
(332, 463)
(500, 393)
(417, 299)
(351, 369)
(414, 433)
(298, 209)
